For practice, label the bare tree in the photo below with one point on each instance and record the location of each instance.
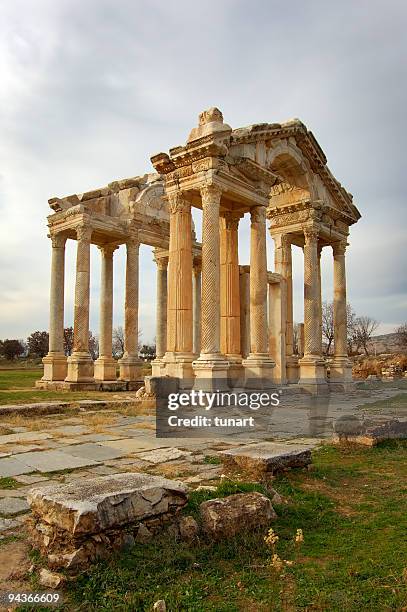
(364, 330)
(350, 325)
(328, 324)
(402, 335)
(295, 339)
(93, 346)
(68, 340)
(118, 342)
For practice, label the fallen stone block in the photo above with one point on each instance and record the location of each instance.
(257, 459)
(98, 504)
(49, 579)
(225, 517)
(368, 432)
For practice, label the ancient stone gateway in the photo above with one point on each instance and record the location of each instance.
(217, 322)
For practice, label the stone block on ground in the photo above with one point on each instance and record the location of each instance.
(271, 457)
(13, 505)
(368, 432)
(228, 516)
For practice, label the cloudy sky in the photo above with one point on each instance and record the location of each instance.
(90, 89)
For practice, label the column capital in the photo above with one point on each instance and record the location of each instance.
(231, 220)
(107, 250)
(311, 235)
(210, 193)
(177, 203)
(161, 261)
(84, 233)
(339, 247)
(132, 241)
(58, 240)
(258, 214)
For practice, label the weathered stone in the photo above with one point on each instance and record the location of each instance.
(188, 528)
(162, 455)
(266, 457)
(13, 505)
(51, 580)
(144, 535)
(368, 432)
(223, 518)
(106, 502)
(160, 606)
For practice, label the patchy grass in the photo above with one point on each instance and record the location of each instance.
(396, 405)
(352, 511)
(212, 460)
(6, 482)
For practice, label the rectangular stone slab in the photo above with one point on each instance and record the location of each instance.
(105, 502)
(54, 460)
(266, 457)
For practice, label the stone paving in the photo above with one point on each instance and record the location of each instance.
(64, 448)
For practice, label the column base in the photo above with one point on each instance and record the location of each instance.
(80, 368)
(211, 372)
(158, 367)
(55, 367)
(236, 372)
(312, 375)
(258, 371)
(179, 365)
(340, 374)
(130, 368)
(105, 369)
(292, 369)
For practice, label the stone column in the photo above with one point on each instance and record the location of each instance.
(277, 328)
(105, 365)
(161, 314)
(319, 252)
(301, 339)
(258, 365)
(244, 288)
(230, 295)
(341, 368)
(312, 370)
(55, 365)
(197, 288)
(179, 356)
(80, 363)
(211, 365)
(283, 266)
(130, 364)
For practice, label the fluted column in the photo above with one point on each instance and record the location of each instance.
(230, 292)
(283, 266)
(179, 355)
(55, 365)
(211, 363)
(319, 252)
(312, 364)
(130, 364)
(105, 365)
(80, 364)
(244, 288)
(277, 327)
(197, 290)
(258, 364)
(341, 368)
(161, 308)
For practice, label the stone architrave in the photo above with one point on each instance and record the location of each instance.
(55, 362)
(80, 363)
(230, 344)
(161, 314)
(283, 266)
(244, 287)
(211, 368)
(105, 365)
(179, 355)
(258, 365)
(341, 368)
(130, 364)
(277, 328)
(312, 365)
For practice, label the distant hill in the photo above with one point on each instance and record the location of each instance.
(386, 343)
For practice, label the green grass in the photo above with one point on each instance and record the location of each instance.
(352, 511)
(392, 405)
(212, 460)
(6, 482)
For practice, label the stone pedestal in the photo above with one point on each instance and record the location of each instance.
(55, 363)
(258, 365)
(211, 368)
(130, 364)
(312, 365)
(80, 363)
(105, 365)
